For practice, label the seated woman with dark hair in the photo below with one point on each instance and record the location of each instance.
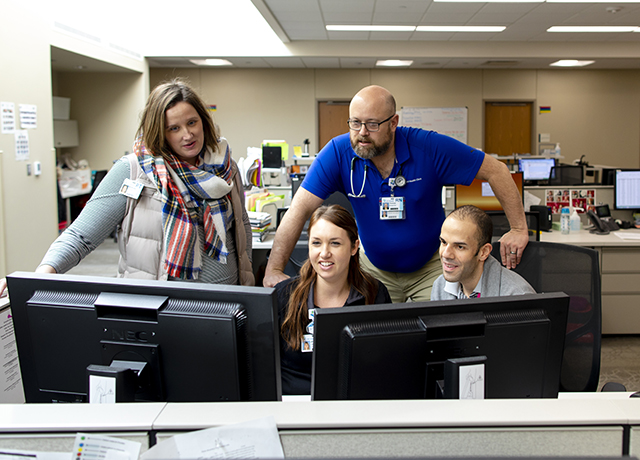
(330, 278)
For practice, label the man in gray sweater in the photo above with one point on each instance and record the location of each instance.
(469, 269)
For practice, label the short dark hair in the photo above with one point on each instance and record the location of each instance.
(480, 218)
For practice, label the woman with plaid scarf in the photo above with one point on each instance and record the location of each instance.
(176, 202)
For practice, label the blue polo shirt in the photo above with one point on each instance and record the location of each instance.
(427, 160)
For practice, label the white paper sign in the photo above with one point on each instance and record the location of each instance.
(253, 439)
(28, 116)
(22, 145)
(96, 447)
(8, 117)
(10, 377)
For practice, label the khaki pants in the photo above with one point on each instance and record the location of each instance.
(405, 287)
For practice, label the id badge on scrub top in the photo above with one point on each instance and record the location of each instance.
(307, 339)
(392, 208)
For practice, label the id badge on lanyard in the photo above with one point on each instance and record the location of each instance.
(392, 207)
(307, 339)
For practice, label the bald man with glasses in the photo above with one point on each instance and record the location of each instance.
(393, 177)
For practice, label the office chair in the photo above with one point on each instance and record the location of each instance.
(553, 267)
(567, 175)
(501, 224)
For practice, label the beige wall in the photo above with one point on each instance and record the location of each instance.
(107, 107)
(593, 113)
(28, 204)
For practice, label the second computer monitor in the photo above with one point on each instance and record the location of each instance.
(536, 170)
(480, 194)
(498, 347)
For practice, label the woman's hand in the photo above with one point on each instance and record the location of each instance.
(3, 287)
(40, 269)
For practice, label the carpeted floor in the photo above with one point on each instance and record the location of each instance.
(620, 361)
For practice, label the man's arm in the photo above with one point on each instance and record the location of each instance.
(287, 234)
(512, 243)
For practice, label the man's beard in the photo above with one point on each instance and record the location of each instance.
(375, 150)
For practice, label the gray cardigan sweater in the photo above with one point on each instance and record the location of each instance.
(496, 281)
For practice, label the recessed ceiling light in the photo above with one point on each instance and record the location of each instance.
(592, 29)
(571, 63)
(213, 62)
(393, 63)
(369, 28)
(460, 28)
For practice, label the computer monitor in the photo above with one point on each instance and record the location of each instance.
(412, 350)
(536, 169)
(185, 342)
(480, 194)
(626, 189)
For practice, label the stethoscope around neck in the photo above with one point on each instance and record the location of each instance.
(399, 180)
(364, 180)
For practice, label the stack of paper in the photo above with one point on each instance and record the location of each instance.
(260, 222)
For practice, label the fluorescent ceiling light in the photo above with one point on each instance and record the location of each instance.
(369, 28)
(571, 63)
(212, 62)
(460, 28)
(393, 63)
(592, 29)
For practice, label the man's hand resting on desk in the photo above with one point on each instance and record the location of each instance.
(512, 246)
(273, 277)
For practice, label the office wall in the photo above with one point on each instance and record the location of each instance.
(593, 113)
(29, 214)
(107, 106)
(28, 204)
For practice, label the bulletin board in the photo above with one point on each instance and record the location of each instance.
(451, 121)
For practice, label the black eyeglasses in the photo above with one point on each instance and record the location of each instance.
(372, 126)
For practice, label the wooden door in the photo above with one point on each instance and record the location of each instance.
(507, 128)
(332, 120)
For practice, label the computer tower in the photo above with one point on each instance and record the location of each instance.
(545, 217)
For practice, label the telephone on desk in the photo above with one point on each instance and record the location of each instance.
(602, 221)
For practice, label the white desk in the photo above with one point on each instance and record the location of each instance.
(620, 275)
(574, 425)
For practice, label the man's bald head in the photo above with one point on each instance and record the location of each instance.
(377, 96)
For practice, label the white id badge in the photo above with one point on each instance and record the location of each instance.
(307, 343)
(392, 208)
(312, 314)
(131, 189)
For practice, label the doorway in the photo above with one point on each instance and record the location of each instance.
(508, 128)
(332, 120)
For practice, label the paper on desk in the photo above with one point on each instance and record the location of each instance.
(628, 235)
(14, 454)
(96, 447)
(530, 200)
(254, 439)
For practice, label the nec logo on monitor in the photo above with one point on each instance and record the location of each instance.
(123, 335)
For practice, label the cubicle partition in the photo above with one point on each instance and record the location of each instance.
(579, 425)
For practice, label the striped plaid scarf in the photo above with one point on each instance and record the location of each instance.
(184, 188)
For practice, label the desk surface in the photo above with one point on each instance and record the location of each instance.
(580, 409)
(584, 238)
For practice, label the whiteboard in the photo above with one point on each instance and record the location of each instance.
(451, 121)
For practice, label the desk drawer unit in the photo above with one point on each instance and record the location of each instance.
(620, 268)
